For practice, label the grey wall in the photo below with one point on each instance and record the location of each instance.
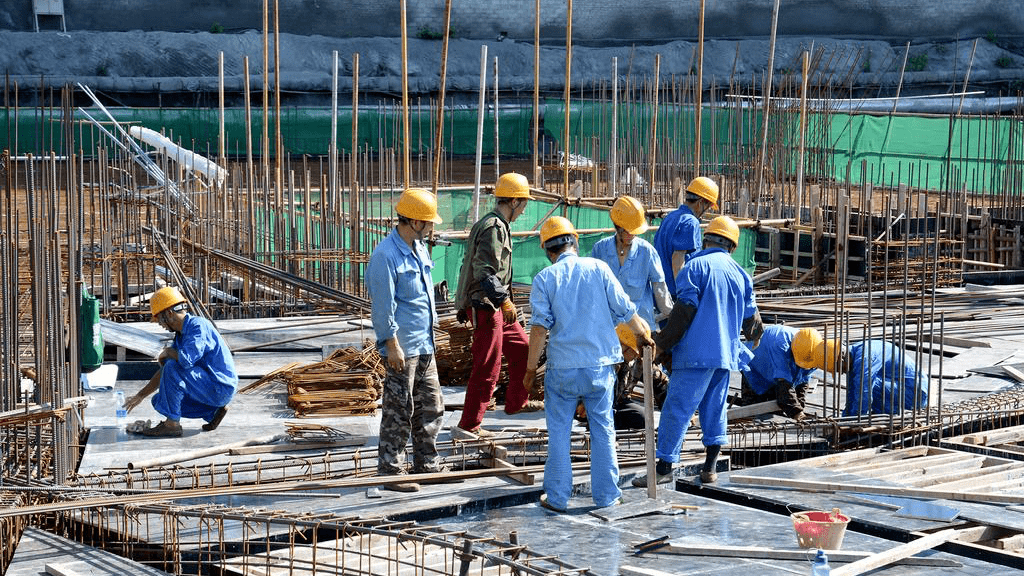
(593, 20)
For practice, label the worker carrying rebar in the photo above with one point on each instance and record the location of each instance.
(880, 377)
(634, 261)
(781, 369)
(714, 306)
(484, 298)
(402, 310)
(576, 304)
(197, 375)
(627, 413)
(679, 235)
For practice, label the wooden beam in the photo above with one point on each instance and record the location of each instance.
(871, 489)
(752, 410)
(798, 554)
(897, 553)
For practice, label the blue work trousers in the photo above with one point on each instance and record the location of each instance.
(563, 389)
(189, 393)
(688, 390)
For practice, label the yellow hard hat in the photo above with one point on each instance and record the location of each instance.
(554, 227)
(164, 298)
(512, 185)
(804, 346)
(628, 213)
(826, 354)
(705, 188)
(418, 204)
(726, 228)
(627, 338)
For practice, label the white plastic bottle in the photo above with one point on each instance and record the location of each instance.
(820, 566)
(119, 409)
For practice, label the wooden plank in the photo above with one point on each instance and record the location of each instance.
(848, 461)
(798, 554)
(1014, 373)
(933, 480)
(918, 463)
(525, 478)
(1015, 542)
(993, 437)
(872, 489)
(981, 482)
(897, 553)
(752, 410)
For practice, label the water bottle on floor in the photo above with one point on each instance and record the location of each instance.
(820, 566)
(119, 409)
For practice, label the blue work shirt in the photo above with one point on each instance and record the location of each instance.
(874, 369)
(773, 360)
(680, 230)
(200, 346)
(402, 293)
(723, 294)
(579, 301)
(637, 275)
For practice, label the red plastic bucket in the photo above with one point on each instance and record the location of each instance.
(817, 529)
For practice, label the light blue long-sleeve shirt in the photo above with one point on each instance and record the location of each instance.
(579, 301)
(637, 275)
(773, 360)
(402, 295)
(201, 347)
(680, 230)
(723, 294)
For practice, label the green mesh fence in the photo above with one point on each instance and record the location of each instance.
(922, 151)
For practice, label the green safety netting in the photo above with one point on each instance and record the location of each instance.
(916, 150)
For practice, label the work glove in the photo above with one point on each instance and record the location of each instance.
(465, 315)
(508, 310)
(644, 340)
(529, 379)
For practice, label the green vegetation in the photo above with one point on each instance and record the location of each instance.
(1004, 61)
(991, 36)
(216, 28)
(425, 33)
(917, 63)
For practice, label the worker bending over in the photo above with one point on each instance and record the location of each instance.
(679, 235)
(576, 304)
(880, 377)
(714, 304)
(634, 261)
(402, 296)
(781, 369)
(197, 375)
(484, 298)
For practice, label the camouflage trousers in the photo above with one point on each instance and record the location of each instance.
(411, 405)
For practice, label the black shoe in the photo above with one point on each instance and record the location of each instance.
(217, 417)
(165, 429)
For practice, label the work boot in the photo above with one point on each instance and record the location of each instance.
(708, 476)
(217, 417)
(401, 486)
(530, 406)
(662, 474)
(165, 429)
(546, 504)
(477, 433)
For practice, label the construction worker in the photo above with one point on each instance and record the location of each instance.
(484, 297)
(714, 305)
(576, 304)
(634, 261)
(873, 381)
(679, 235)
(781, 369)
(197, 375)
(627, 413)
(400, 286)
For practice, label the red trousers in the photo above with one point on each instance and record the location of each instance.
(492, 338)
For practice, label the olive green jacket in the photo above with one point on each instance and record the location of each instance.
(488, 253)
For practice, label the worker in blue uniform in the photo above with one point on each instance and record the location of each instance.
(399, 283)
(714, 305)
(576, 304)
(634, 260)
(197, 375)
(679, 235)
(781, 369)
(880, 377)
